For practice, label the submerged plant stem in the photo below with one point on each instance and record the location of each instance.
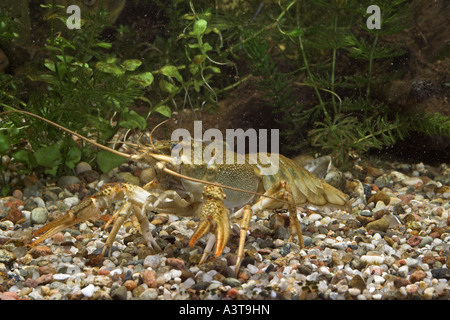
(308, 70)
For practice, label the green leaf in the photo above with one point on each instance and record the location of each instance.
(188, 16)
(207, 47)
(48, 157)
(166, 86)
(73, 157)
(197, 85)
(6, 189)
(143, 79)
(109, 68)
(132, 120)
(295, 33)
(22, 156)
(164, 110)
(4, 143)
(199, 27)
(172, 72)
(199, 59)
(194, 68)
(214, 69)
(107, 161)
(50, 65)
(104, 45)
(131, 65)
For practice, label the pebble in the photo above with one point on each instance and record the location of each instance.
(38, 216)
(6, 256)
(65, 181)
(119, 293)
(417, 275)
(232, 282)
(412, 181)
(380, 225)
(88, 291)
(369, 259)
(152, 261)
(149, 294)
(71, 201)
(82, 167)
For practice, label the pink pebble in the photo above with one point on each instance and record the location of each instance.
(411, 288)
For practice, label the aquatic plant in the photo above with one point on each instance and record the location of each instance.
(84, 85)
(315, 38)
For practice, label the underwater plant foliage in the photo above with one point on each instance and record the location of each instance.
(326, 45)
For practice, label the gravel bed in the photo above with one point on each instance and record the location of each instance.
(395, 245)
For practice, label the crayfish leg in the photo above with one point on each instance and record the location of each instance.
(243, 235)
(119, 219)
(85, 210)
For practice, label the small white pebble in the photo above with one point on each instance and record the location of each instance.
(189, 282)
(117, 271)
(354, 291)
(378, 279)
(253, 269)
(428, 293)
(88, 291)
(61, 276)
(372, 259)
(324, 270)
(174, 273)
(314, 217)
(377, 296)
(71, 201)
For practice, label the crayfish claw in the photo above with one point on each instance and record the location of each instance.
(54, 227)
(214, 218)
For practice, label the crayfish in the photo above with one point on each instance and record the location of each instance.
(208, 190)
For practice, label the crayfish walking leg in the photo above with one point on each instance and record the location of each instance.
(136, 201)
(276, 195)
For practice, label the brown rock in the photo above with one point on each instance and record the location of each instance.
(405, 198)
(58, 237)
(232, 293)
(357, 282)
(9, 296)
(18, 194)
(401, 282)
(44, 279)
(373, 172)
(380, 196)
(95, 260)
(130, 285)
(379, 225)
(15, 216)
(430, 260)
(40, 251)
(417, 275)
(47, 270)
(30, 283)
(364, 220)
(13, 203)
(149, 278)
(159, 219)
(176, 263)
(414, 240)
